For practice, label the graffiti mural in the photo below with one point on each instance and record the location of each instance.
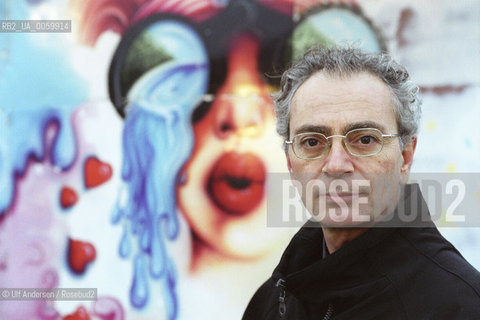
(135, 149)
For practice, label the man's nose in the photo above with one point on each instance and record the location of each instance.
(338, 161)
(242, 101)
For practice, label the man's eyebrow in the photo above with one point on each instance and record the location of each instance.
(313, 128)
(364, 124)
(328, 131)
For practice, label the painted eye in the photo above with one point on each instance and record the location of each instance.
(163, 61)
(328, 25)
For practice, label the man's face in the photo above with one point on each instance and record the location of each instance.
(349, 190)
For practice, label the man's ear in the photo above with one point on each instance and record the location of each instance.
(407, 155)
(289, 164)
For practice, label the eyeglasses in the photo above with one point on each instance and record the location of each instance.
(363, 142)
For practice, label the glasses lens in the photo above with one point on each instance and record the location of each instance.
(310, 145)
(364, 142)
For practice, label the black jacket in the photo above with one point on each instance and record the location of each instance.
(386, 273)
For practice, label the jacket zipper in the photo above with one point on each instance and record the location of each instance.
(329, 312)
(282, 306)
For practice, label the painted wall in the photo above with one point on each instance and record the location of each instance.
(134, 150)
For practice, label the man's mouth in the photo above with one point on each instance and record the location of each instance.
(236, 182)
(343, 196)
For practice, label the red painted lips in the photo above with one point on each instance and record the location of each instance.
(236, 183)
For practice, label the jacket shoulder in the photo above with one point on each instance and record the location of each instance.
(446, 260)
(436, 279)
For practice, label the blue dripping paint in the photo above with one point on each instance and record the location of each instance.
(145, 239)
(38, 87)
(6, 181)
(158, 257)
(157, 141)
(125, 245)
(117, 214)
(170, 285)
(139, 290)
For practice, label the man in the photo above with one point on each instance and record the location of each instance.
(349, 120)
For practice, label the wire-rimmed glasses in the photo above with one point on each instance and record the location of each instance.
(363, 142)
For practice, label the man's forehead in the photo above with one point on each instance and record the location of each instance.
(334, 87)
(351, 102)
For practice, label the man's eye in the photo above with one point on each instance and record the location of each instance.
(366, 140)
(310, 142)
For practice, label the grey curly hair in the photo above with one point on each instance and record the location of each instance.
(346, 61)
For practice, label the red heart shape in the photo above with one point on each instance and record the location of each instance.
(80, 254)
(80, 314)
(68, 197)
(96, 172)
